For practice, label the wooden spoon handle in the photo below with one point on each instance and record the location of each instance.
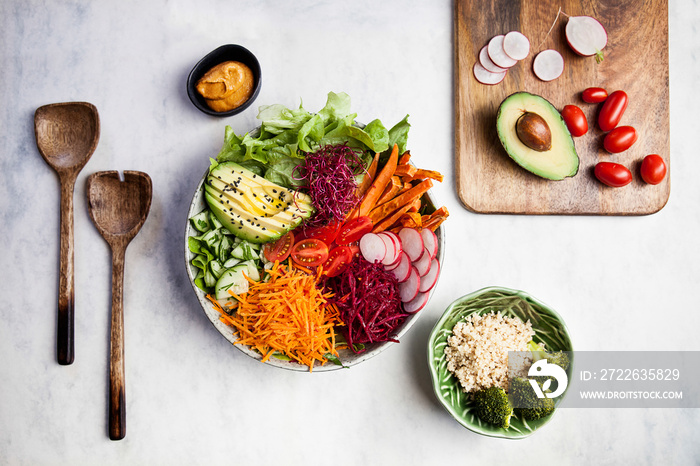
(117, 388)
(66, 291)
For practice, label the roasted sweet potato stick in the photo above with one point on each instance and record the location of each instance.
(421, 174)
(379, 183)
(402, 200)
(415, 207)
(392, 189)
(411, 220)
(406, 170)
(369, 177)
(434, 220)
(390, 220)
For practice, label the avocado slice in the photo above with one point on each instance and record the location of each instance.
(558, 162)
(251, 207)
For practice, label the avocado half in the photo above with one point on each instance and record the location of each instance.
(560, 161)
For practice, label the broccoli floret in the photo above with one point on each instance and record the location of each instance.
(559, 358)
(525, 401)
(493, 407)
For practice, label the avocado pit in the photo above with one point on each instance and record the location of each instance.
(534, 132)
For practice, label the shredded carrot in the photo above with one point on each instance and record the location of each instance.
(288, 314)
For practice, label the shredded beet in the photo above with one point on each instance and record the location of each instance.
(330, 176)
(368, 301)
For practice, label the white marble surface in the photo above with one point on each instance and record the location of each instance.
(191, 397)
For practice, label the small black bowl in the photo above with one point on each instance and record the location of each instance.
(222, 54)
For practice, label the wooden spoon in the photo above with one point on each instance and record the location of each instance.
(118, 210)
(66, 136)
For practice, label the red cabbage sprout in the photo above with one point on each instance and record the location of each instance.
(330, 181)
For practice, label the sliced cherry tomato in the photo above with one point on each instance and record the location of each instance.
(310, 252)
(279, 250)
(653, 169)
(326, 233)
(620, 139)
(337, 260)
(613, 174)
(575, 120)
(594, 95)
(354, 230)
(612, 111)
(355, 250)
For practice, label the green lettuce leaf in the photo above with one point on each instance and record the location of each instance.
(398, 134)
(287, 134)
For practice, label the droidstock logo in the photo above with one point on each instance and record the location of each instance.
(542, 368)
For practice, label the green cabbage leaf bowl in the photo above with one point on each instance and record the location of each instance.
(547, 324)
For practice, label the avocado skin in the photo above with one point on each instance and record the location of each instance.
(561, 161)
(229, 189)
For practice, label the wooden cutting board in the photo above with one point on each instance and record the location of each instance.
(636, 61)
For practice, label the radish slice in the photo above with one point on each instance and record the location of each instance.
(430, 241)
(393, 236)
(408, 289)
(484, 76)
(416, 304)
(516, 45)
(548, 65)
(428, 281)
(393, 265)
(412, 242)
(423, 263)
(487, 63)
(403, 269)
(391, 252)
(586, 36)
(396, 242)
(372, 248)
(496, 53)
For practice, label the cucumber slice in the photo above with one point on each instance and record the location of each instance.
(238, 252)
(232, 279)
(252, 271)
(224, 248)
(209, 279)
(244, 252)
(215, 223)
(210, 238)
(231, 262)
(216, 268)
(200, 222)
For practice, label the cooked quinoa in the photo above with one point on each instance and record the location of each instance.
(477, 350)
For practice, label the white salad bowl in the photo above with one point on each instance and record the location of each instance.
(346, 356)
